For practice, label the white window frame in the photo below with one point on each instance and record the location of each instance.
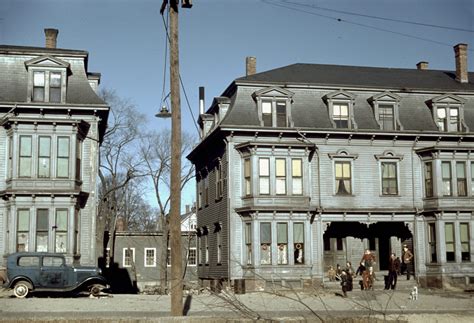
(145, 256)
(387, 99)
(274, 95)
(448, 102)
(195, 257)
(339, 98)
(389, 157)
(123, 257)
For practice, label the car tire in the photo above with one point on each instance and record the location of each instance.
(21, 289)
(96, 289)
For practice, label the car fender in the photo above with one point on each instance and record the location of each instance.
(93, 280)
(12, 282)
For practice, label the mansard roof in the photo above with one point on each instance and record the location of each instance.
(360, 77)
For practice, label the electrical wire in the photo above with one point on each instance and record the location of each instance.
(273, 3)
(380, 18)
(165, 24)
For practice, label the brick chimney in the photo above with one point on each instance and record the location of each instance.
(422, 65)
(51, 37)
(120, 224)
(460, 53)
(251, 65)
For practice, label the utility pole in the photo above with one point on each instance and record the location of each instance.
(176, 281)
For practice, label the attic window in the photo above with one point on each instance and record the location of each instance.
(386, 111)
(274, 107)
(47, 80)
(341, 109)
(448, 113)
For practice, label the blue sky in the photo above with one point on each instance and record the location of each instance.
(126, 39)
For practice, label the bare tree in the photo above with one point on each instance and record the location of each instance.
(155, 153)
(118, 164)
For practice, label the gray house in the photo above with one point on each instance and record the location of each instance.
(303, 167)
(52, 122)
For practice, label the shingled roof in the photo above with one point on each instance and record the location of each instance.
(359, 76)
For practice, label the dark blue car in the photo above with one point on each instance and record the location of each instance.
(48, 272)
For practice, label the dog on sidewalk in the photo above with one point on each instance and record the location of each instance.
(414, 294)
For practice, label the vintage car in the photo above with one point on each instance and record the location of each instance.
(48, 272)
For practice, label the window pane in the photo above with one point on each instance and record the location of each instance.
(265, 233)
(264, 186)
(446, 174)
(63, 167)
(55, 80)
(63, 147)
(264, 169)
(25, 146)
(280, 167)
(42, 220)
(61, 242)
(282, 233)
(61, 220)
(266, 107)
(298, 233)
(38, 78)
(441, 113)
(23, 220)
(296, 167)
(55, 94)
(281, 114)
(42, 242)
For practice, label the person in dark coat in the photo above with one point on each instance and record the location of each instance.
(393, 268)
(407, 261)
(346, 283)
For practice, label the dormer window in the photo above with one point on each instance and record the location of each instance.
(448, 113)
(274, 107)
(47, 79)
(341, 109)
(386, 106)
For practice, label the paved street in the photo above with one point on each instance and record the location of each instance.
(432, 306)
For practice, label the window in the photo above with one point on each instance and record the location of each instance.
(206, 246)
(265, 243)
(38, 86)
(150, 257)
(429, 179)
(61, 230)
(42, 225)
(248, 243)
(217, 231)
(465, 238)
(450, 242)
(447, 178)
(432, 242)
(23, 230)
(389, 178)
(219, 181)
(192, 257)
(63, 157)
(44, 156)
(53, 261)
(128, 257)
(461, 180)
(282, 241)
(280, 165)
(267, 113)
(206, 190)
(298, 243)
(343, 177)
(55, 87)
(274, 113)
(472, 178)
(447, 119)
(247, 177)
(168, 257)
(386, 117)
(297, 176)
(200, 184)
(28, 261)
(78, 159)
(25, 156)
(264, 176)
(340, 115)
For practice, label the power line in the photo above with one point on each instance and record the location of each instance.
(180, 80)
(380, 18)
(357, 24)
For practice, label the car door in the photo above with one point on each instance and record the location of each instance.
(52, 273)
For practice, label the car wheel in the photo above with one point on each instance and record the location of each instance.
(21, 289)
(96, 289)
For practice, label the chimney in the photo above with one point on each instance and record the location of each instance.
(187, 208)
(251, 65)
(51, 37)
(120, 224)
(460, 54)
(201, 100)
(422, 65)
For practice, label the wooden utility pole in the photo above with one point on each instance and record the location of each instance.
(176, 281)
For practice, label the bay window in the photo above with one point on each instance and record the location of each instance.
(449, 241)
(264, 176)
(61, 230)
(44, 156)
(42, 229)
(429, 179)
(23, 230)
(282, 242)
(298, 242)
(461, 180)
(265, 243)
(297, 176)
(63, 157)
(248, 243)
(24, 169)
(447, 178)
(465, 238)
(280, 174)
